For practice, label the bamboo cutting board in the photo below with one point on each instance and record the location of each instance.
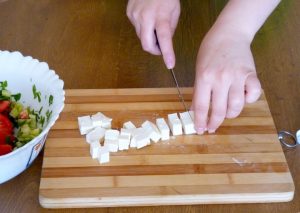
(242, 163)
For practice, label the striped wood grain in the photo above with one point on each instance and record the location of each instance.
(243, 162)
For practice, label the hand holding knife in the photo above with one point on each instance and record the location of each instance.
(175, 81)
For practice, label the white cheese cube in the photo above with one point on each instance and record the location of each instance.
(142, 141)
(99, 119)
(140, 138)
(111, 134)
(124, 141)
(132, 143)
(85, 124)
(126, 132)
(129, 125)
(152, 130)
(134, 133)
(187, 123)
(106, 123)
(94, 149)
(113, 145)
(175, 124)
(96, 134)
(103, 155)
(163, 128)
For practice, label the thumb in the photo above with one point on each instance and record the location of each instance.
(252, 88)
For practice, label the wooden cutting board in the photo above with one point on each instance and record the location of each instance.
(242, 163)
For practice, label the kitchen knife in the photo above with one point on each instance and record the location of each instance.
(175, 81)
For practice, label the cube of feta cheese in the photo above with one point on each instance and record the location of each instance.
(152, 130)
(96, 134)
(111, 134)
(163, 128)
(187, 123)
(134, 133)
(85, 124)
(106, 123)
(142, 140)
(99, 119)
(129, 125)
(94, 149)
(175, 124)
(112, 145)
(124, 141)
(126, 132)
(103, 154)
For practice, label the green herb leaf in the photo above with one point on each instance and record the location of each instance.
(17, 96)
(48, 115)
(3, 85)
(36, 94)
(42, 120)
(40, 110)
(51, 100)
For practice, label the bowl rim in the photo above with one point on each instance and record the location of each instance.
(47, 128)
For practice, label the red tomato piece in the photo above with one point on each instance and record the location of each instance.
(5, 123)
(5, 149)
(4, 105)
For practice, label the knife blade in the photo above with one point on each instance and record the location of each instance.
(175, 80)
(180, 94)
(178, 89)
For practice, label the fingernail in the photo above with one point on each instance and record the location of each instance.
(170, 63)
(211, 131)
(200, 131)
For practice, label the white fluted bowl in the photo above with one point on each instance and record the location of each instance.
(22, 73)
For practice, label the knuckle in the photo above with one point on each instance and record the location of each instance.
(134, 15)
(206, 76)
(224, 76)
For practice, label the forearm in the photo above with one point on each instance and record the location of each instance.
(244, 17)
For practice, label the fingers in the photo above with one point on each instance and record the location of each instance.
(164, 36)
(253, 88)
(218, 107)
(148, 39)
(201, 102)
(236, 100)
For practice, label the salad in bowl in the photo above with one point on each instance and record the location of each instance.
(31, 99)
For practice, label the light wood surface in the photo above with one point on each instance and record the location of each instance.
(242, 163)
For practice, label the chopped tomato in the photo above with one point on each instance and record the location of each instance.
(4, 106)
(5, 148)
(5, 123)
(24, 114)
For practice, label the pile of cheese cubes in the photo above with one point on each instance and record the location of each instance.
(103, 139)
